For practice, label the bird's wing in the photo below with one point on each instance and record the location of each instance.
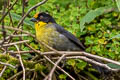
(69, 35)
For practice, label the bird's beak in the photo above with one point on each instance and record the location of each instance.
(33, 20)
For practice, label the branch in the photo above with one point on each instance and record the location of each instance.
(72, 53)
(3, 28)
(8, 11)
(16, 29)
(93, 62)
(68, 53)
(10, 44)
(59, 68)
(35, 6)
(19, 35)
(3, 70)
(39, 53)
(20, 59)
(17, 74)
(21, 52)
(49, 77)
(6, 64)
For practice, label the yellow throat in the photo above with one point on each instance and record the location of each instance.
(39, 27)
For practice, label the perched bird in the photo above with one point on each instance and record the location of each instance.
(54, 35)
(49, 32)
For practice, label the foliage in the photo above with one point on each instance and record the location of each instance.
(62, 76)
(118, 4)
(90, 16)
(113, 66)
(94, 22)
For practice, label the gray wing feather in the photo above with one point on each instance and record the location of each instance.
(69, 35)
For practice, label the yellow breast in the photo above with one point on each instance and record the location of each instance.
(44, 34)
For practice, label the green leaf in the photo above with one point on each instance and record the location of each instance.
(118, 4)
(71, 62)
(91, 15)
(96, 48)
(112, 55)
(39, 67)
(1, 78)
(18, 17)
(91, 75)
(116, 36)
(26, 56)
(34, 45)
(88, 40)
(113, 66)
(62, 76)
(81, 64)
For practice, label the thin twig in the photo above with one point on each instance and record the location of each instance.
(23, 3)
(8, 10)
(23, 7)
(11, 21)
(3, 28)
(20, 22)
(34, 75)
(21, 52)
(90, 61)
(39, 53)
(53, 69)
(68, 53)
(14, 43)
(35, 6)
(34, 37)
(21, 62)
(19, 35)
(6, 64)
(11, 78)
(16, 29)
(73, 53)
(94, 62)
(3, 70)
(59, 68)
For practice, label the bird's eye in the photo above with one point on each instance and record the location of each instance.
(41, 17)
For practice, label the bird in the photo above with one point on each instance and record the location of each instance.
(54, 35)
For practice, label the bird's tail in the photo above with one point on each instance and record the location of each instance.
(100, 69)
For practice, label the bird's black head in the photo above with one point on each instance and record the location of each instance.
(42, 16)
